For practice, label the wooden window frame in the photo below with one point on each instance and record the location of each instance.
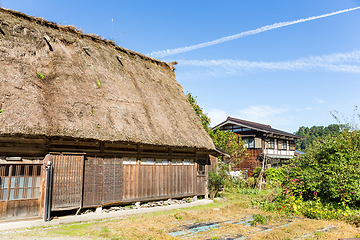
(201, 169)
(22, 182)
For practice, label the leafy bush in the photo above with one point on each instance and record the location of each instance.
(329, 171)
(215, 182)
(260, 219)
(251, 182)
(256, 172)
(218, 179)
(274, 176)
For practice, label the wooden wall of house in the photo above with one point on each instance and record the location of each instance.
(158, 182)
(131, 183)
(90, 174)
(67, 183)
(103, 181)
(250, 162)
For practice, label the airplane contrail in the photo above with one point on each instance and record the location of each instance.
(170, 52)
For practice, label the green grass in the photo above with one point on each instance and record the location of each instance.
(157, 225)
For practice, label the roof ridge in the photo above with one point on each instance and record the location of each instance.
(74, 30)
(246, 121)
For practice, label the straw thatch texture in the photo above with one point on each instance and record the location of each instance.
(92, 89)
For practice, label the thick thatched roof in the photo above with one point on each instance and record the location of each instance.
(91, 89)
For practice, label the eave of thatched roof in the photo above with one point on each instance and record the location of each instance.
(92, 89)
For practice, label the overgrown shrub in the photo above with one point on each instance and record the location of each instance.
(274, 176)
(329, 171)
(218, 179)
(251, 182)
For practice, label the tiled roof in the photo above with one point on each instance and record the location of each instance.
(256, 126)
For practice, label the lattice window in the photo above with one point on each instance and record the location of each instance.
(19, 182)
(4, 182)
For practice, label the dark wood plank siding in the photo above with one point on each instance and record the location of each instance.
(249, 163)
(93, 182)
(158, 181)
(201, 182)
(67, 181)
(112, 186)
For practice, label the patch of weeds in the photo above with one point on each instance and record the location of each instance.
(178, 217)
(76, 229)
(117, 238)
(249, 191)
(105, 230)
(98, 83)
(215, 237)
(319, 234)
(260, 219)
(40, 76)
(287, 238)
(91, 113)
(1, 111)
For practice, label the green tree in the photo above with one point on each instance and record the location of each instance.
(316, 133)
(205, 120)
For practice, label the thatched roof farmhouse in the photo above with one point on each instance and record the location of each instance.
(65, 93)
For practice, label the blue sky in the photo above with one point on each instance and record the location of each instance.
(287, 77)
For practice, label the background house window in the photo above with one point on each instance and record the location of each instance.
(292, 145)
(282, 144)
(270, 143)
(249, 142)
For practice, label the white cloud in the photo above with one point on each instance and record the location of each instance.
(320, 101)
(337, 62)
(243, 34)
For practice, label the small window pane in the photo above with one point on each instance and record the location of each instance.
(147, 161)
(22, 170)
(5, 182)
(31, 170)
(129, 160)
(166, 162)
(29, 181)
(28, 194)
(12, 193)
(21, 182)
(37, 182)
(3, 195)
(132, 161)
(12, 182)
(37, 192)
(159, 162)
(38, 170)
(176, 162)
(21, 193)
